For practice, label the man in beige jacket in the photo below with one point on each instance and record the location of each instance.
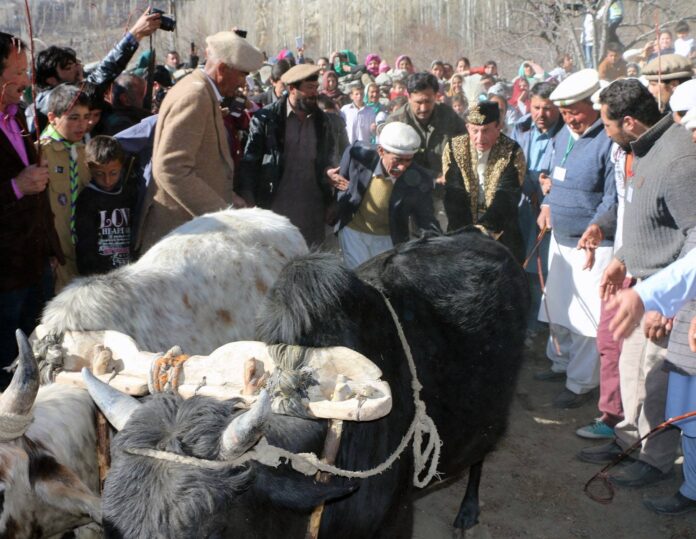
(191, 162)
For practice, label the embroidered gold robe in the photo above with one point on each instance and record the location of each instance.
(504, 175)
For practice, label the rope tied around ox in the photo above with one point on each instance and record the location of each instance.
(310, 464)
(13, 426)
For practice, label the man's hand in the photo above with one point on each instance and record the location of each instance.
(612, 279)
(589, 241)
(629, 311)
(440, 180)
(656, 326)
(545, 182)
(692, 335)
(336, 180)
(544, 219)
(145, 25)
(238, 202)
(32, 180)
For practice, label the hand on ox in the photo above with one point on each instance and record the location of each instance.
(545, 183)
(630, 310)
(238, 202)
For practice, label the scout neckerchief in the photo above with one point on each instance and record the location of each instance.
(71, 147)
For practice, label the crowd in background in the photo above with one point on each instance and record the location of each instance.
(587, 176)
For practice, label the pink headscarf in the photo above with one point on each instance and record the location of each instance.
(406, 57)
(374, 71)
(384, 67)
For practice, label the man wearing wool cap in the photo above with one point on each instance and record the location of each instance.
(580, 210)
(289, 149)
(191, 162)
(664, 75)
(379, 191)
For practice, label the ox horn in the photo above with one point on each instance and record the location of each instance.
(19, 396)
(116, 406)
(246, 429)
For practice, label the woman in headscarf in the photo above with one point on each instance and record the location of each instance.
(404, 63)
(344, 62)
(329, 88)
(372, 62)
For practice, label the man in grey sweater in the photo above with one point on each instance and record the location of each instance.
(659, 218)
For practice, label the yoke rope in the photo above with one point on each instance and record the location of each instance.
(310, 464)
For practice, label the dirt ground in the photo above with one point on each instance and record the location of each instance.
(532, 485)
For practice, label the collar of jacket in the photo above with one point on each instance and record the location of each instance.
(646, 140)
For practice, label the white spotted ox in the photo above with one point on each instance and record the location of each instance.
(48, 474)
(199, 287)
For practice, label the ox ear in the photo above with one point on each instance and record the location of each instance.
(291, 490)
(116, 406)
(19, 396)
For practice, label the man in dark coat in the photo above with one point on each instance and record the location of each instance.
(28, 237)
(379, 192)
(287, 155)
(484, 171)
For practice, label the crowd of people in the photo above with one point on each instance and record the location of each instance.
(587, 176)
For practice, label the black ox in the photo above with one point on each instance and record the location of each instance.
(461, 300)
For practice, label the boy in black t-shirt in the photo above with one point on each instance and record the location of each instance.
(104, 210)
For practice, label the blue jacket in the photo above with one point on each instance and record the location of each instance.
(588, 190)
(411, 196)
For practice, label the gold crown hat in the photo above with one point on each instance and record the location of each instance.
(483, 112)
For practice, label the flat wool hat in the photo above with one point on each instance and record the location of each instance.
(684, 96)
(672, 66)
(235, 51)
(399, 138)
(299, 73)
(578, 86)
(483, 112)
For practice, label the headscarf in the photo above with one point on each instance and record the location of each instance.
(376, 106)
(286, 54)
(352, 62)
(369, 58)
(383, 67)
(517, 91)
(333, 94)
(404, 57)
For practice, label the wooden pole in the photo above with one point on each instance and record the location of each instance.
(103, 448)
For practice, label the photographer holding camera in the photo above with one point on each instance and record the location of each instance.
(56, 65)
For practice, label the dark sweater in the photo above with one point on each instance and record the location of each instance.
(660, 199)
(103, 226)
(588, 190)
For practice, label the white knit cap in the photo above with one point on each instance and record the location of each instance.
(399, 138)
(689, 120)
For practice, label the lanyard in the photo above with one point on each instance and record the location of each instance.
(571, 143)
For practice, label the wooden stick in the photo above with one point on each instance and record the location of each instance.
(103, 448)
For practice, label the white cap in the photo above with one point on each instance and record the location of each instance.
(576, 87)
(235, 51)
(595, 96)
(399, 138)
(684, 96)
(689, 120)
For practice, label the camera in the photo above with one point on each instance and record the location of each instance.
(166, 22)
(240, 33)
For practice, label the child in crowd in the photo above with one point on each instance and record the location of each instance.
(63, 152)
(684, 45)
(104, 210)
